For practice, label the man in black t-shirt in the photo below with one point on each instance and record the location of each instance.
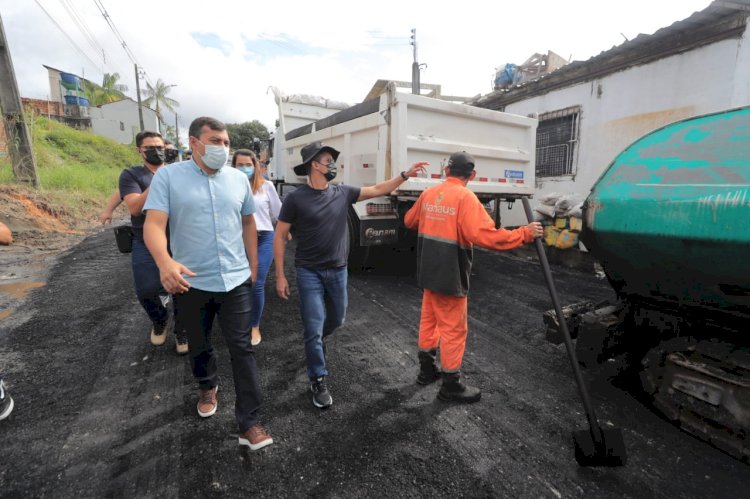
(133, 188)
(318, 212)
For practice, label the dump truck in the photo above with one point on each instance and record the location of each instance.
(382, 136)
(669, 221)
(295, 110)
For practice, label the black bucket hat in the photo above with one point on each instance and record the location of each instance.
(309, 152)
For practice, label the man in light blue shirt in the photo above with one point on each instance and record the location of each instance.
(213, 264)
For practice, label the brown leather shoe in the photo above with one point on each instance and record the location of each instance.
(207, 403)
(256, 437)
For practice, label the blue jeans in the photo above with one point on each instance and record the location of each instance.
(198, 309)
(265, 257)
(323, 301)
(148, 286)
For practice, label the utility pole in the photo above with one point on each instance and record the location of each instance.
(415, 85)
(138, 91)
(177, 136)
(16, 131)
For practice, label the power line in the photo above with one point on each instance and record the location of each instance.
(83, 28)
(120, 39)
(96, 64)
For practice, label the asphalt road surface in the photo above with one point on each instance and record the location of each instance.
(101, 413)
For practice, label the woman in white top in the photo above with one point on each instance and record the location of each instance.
(267, 206)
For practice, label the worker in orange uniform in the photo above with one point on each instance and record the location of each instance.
(450, 220)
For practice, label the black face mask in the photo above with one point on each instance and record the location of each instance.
(331, 173)
(155, 157)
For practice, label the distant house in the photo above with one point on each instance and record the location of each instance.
(67, 93)
(590, 111)
(119, 120)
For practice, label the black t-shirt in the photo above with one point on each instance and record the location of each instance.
(318, 218)
(135, 179)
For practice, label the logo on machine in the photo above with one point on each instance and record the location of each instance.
(371, 233)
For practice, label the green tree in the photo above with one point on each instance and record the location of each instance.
(169, 133)
(157, 95)
(243, 135)
(110, 91)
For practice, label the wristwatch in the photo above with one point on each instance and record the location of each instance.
(404, 176)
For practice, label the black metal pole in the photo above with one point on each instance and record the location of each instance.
(594, 428)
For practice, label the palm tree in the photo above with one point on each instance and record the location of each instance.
(110, 91)
(158, 95)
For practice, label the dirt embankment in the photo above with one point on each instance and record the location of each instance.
(41, 231)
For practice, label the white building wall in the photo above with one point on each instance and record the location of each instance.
(54, 85)
(621, 107)
(119, 120)
(741, 94)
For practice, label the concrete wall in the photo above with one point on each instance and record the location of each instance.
(54, 85)
(621, 107)
(119, 120)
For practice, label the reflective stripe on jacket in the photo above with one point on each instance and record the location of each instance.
(450, 220)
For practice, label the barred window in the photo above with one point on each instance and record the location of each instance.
(556, 139)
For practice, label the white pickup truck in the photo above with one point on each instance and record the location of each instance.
(382, 136)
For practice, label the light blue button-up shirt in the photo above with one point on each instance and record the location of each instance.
(205, 221)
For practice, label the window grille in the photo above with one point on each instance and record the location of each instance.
(556, 139)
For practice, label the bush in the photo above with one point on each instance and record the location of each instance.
(74, 161)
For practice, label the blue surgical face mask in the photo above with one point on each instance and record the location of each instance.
(247, 170)
(215, 156)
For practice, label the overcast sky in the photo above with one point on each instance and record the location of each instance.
(223, 55)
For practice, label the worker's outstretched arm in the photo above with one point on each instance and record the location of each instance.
(478, 227)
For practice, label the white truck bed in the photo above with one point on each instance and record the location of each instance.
(378, 139)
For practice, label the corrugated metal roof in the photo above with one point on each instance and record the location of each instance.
(718, 21)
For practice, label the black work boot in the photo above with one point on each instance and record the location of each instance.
(454, 390)
(428, 371)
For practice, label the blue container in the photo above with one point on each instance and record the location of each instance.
(74, 100)
(69, 78)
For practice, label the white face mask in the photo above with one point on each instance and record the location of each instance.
(215, 157)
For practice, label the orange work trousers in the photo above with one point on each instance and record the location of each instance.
(444, 324)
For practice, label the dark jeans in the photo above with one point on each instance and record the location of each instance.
(265, 257)
(148, 286)
(197, 311)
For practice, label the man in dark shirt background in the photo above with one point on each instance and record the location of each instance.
(133, 187)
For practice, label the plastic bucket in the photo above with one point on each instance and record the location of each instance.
(124, 238)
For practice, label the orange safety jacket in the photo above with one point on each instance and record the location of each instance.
(450, 220)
